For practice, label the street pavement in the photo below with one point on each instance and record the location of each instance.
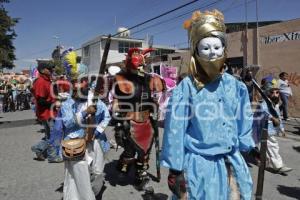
(23, 178)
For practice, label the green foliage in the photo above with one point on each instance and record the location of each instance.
(7, 35)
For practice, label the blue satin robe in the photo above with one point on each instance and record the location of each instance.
(202, 128)
(70, 108)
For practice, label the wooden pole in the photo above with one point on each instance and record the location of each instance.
(262, 166)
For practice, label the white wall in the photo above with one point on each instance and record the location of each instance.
(113, 54)
(93, 61)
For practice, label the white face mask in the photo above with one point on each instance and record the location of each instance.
(210, 48)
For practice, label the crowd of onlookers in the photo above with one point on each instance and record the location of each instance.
(15, 93)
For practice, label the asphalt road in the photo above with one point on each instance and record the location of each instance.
(22, 178)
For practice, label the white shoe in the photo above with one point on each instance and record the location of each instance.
(284, 169)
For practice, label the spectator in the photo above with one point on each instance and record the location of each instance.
(285, 92)
(82, 68)
(44, 111)
(249, 84)
(274, 160)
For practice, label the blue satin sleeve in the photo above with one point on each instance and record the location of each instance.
(175, 127)
(244, 120)
(67, 114)
(102, 117)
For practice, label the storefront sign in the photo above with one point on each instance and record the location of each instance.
(280, 38)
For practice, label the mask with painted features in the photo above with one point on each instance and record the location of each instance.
(135, 60)
(207, 46)
(271, 88)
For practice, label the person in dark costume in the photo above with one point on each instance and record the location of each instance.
(135, 108)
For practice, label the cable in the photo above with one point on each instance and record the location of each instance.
(236, 6)
(147, 21)
(154, 18)
(102, 24)
(179, 16)
(206, 6)
(177, 27)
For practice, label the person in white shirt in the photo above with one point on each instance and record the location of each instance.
(285, 92)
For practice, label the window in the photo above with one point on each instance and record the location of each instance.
(176, 58)
(86, 51)
(156, 69)
(162, 52)
(124, 46)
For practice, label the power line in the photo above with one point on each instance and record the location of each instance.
(142, 23)
(236, 6)
(179, 16)
(102, 24)
(230, 7)
(161, 15)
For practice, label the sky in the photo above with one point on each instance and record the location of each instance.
(46, 23)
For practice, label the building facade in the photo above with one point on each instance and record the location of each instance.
(274, 48)
(92, 51)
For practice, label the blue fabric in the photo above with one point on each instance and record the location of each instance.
(202, 127)
(40, 147)
(258, 125)
(102, 118)
(104, 142)
(82, 68)
(48, 146)
(72, 129)
(284, 106)
(56, 134)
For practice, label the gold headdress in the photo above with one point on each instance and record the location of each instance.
(202, 25)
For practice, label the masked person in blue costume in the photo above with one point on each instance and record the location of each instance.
(83, 175)
(208, 121)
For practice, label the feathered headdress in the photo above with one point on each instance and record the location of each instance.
(69, 61)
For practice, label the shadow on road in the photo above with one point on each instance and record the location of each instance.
(41, 131)
(113, 177)
(293, 192)
(273, 171)
(297, 132)
(60, 188)
(156, 196)
(19, 123)
(99, 196)
(297, 148)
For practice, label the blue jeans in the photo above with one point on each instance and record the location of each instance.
(284, 106)
(46, 146)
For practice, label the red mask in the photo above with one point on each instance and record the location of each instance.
(136, 58)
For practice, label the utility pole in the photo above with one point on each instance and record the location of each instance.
(245, 63)
(257, 36)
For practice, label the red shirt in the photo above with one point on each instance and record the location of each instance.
(42, 88)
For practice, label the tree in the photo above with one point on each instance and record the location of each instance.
(7, 35)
